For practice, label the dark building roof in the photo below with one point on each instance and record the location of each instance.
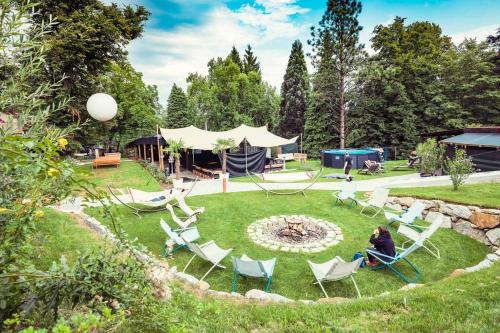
(475, 139)
(149, 140)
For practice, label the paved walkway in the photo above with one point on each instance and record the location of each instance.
(412, 180)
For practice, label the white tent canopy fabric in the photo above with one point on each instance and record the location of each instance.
(195, 138)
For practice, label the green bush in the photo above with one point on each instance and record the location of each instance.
(431, 156)
(459, 168)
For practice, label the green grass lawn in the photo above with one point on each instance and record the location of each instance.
(228, 215)
(469, 303)
(128, 174)
(59, 234)
(485, 195)
(294, 166)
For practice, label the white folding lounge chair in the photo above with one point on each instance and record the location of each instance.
(422, 237)
(347, 191)
(246, 266)
(185, 208)
(189, 234)
(183, 223)
(377, 201)
(209, 252)
(334, 270)
(408, 217)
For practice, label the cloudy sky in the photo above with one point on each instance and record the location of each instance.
(182, 35)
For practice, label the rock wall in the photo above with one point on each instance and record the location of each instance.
(478, 223)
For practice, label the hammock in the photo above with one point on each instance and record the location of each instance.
(302, 191)
(151, 201)
(287, 177)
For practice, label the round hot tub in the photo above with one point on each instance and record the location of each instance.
(334, 158)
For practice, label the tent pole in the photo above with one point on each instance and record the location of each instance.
(145, 152)
(160, 160)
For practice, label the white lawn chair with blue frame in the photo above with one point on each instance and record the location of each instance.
(189, 234)
(414, 212)
(246, 266)
(376, 202)
(388, 261)
(335, 270)
(182, 222)
(209, 252)
(422, 237)
(347, 191)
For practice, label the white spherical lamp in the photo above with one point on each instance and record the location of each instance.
(102, 107)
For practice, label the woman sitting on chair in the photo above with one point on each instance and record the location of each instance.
(382, 243)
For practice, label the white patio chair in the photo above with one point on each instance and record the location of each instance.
(414, 212)
(246, 266)
(376, 202)
(185, 208)
(422, 237)
(347, 191)
(334, 270)
(189, 234)
(208, 252)
(182, 222)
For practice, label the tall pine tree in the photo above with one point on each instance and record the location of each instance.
(294, 93)
(321, 118)
(341, 21)
(178, 114)
(234, 55)
(250, 62)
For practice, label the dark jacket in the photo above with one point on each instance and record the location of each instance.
(384, 244)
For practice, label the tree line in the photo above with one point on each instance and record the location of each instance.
(415, 80)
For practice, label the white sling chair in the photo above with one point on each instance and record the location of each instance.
(185, 208)
(183, 223)
(334, 270)
(422, 237)
(377, 201)
(151, 199)
(209, 252)
(246, 266)
(189, 234)
(408, 217)
(347, 191)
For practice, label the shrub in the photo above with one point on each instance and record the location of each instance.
(459, 168)
(431, 156)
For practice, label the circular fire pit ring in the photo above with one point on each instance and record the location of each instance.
(294, 233)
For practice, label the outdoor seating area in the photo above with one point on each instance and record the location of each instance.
(106, 160)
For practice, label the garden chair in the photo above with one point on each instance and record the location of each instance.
(189, 234)
(422, 237)
(246, 266)
(388, 261)
(334, 270)
(370, 168)
(376, 202)
(208, 252)
(182, 222)
(181, 203)
(347, 191)
(414, 212)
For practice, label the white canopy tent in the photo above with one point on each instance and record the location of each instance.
(195, 138)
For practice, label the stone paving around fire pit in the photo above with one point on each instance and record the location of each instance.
(318, 234)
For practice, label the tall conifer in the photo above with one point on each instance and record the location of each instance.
(177, 109)
(234, 55)
(294, 93)
(250, 62)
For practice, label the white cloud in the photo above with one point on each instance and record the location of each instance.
(167, 57)
(479, 33)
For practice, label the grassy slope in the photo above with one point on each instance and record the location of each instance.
(486, 195)
(228, 215)
(128, 174)
(59, 234)
(315, 165)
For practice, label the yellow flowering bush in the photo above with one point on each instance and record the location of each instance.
(62, 142)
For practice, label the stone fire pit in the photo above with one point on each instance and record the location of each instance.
(295, 233)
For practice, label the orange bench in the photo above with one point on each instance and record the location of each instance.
(111, 159)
